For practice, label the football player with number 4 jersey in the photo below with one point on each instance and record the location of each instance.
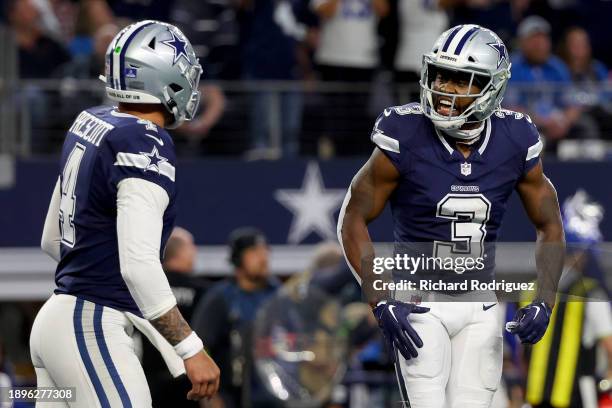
(110, 215)
(447, 166)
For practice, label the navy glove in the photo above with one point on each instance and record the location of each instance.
(530, 322)
(392, 318)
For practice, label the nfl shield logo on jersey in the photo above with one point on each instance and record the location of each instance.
(466, 168)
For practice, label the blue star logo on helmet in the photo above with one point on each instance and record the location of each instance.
(178, 45)
(501, 51)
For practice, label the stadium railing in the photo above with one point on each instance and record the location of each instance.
(325, 119)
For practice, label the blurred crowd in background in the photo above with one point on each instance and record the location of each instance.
(301, 77)
(289, 77)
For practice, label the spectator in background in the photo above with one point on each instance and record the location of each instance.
(540, 83)
(179, 260)
(329, 273)
(213, 30)
(91, 17)
(501, 16)
(49, 23)
(210, 112)
(595, 17)
(576, 52)
(589, 77)
(224, 319)
(141, 9)
(270, 34)
(420, 24)
(82, 67)
(348, 44)
(39, 55)
(348, 51)
(90, 66)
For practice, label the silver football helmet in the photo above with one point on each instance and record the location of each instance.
(153, 62)
(477, 52)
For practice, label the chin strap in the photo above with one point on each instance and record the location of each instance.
(466, 136)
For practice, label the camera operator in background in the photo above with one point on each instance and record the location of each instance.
(224, 318)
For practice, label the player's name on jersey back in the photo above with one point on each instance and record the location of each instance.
(90, 128)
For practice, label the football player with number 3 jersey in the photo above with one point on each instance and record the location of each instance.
(447, 166)
(110, 215)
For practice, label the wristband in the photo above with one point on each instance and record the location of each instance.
(189, 346)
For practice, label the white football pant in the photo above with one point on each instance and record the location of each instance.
(76, 343)
(460, 363)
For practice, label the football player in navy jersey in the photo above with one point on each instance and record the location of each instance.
(110, 215)
(447, 167)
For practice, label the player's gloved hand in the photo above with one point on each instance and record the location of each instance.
(530, 322)
(392, 318)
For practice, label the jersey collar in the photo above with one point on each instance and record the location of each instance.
(453, 154)
(118, 114)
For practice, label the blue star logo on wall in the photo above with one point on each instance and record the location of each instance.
(179, 47)
(154, 160)
(501, 51)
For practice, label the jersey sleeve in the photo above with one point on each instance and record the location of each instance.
(386, 136)
(532, 144)
(135, 152)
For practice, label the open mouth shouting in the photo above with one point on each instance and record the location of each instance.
(444, 106)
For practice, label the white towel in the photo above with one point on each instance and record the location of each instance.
(173, 361)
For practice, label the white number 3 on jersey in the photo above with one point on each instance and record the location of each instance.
(469, 214)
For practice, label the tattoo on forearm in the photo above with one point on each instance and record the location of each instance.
(172, 326)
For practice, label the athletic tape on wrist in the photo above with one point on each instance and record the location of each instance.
(189, 346)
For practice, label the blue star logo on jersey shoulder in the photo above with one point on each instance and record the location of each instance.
(501, 51)
(154, 160)
(179, 47)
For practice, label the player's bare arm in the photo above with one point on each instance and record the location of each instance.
(539, 198)
(200, 368)
(369, 192)
(172, 326)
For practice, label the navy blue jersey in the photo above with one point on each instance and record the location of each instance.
(452, 204)
(103, 147)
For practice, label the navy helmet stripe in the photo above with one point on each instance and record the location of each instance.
(111, 58)
(112, 370)
(80, 338)
(122, 55)
(450, 38)
(109, 80)
(464, 39)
